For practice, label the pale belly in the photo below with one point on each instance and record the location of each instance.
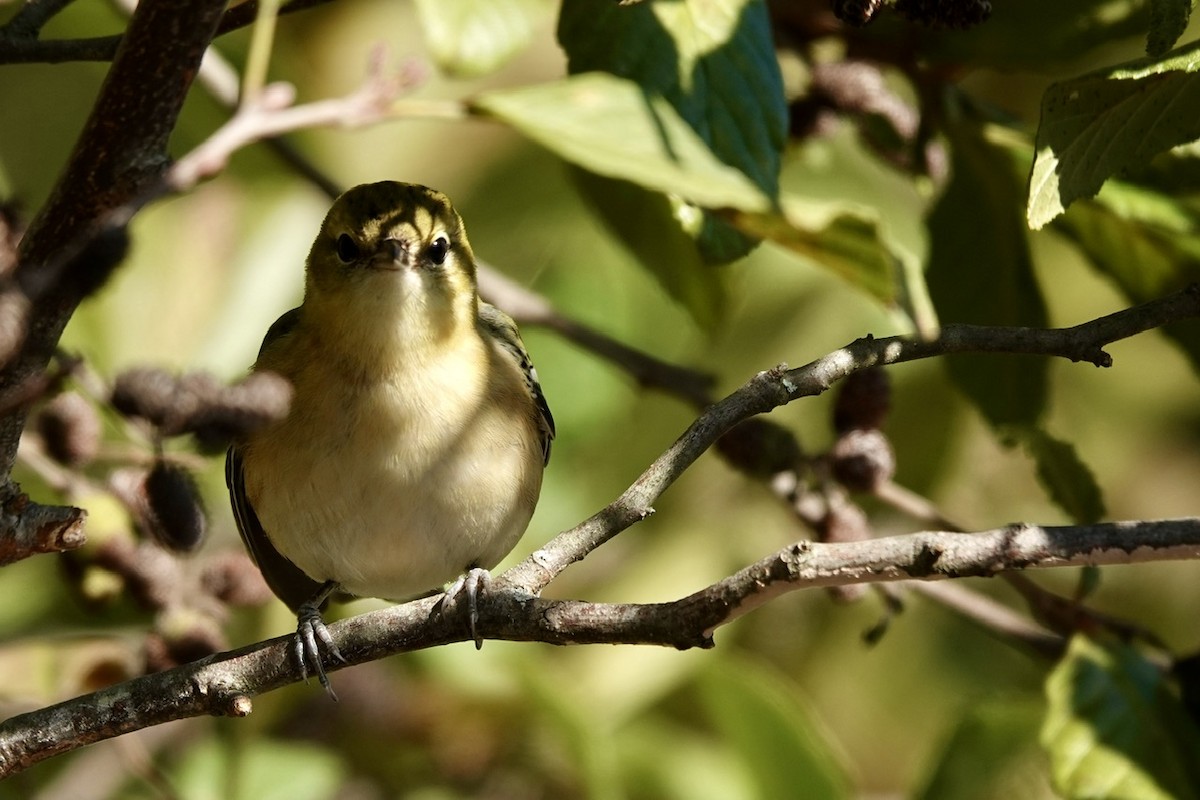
(388, 512)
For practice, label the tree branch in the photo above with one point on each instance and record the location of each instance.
(224, 684)
(776, 387)
(121, 151)
(19, 45)
(31, 17)
(31, 528)
(528, 307)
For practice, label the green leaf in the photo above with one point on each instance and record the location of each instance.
(474, 37)
(1168, 21)
(258, 770)
(1113, 730)
(713, 61)
(761, 716)
(1148, 244)
(613, 127)
(990, 755)
(1070, 483)
(981, 271)
(1108, 121)
(844, 240)
(667, 251)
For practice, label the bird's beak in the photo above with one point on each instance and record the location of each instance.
(392, 254)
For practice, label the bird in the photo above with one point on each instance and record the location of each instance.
(412, 454)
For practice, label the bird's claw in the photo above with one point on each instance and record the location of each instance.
(311, 634)
(469, 585)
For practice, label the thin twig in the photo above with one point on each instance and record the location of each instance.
(528, 307)
(18, 45)
(225, 683)
(27, 23)
(781, 385)
(995, 618)
(272, 114)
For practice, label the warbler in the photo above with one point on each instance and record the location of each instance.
(414, 446)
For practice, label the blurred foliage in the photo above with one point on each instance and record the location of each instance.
(1114, 729)
(670, 116)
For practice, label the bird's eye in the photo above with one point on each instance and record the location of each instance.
(438, 249)
(347, 249)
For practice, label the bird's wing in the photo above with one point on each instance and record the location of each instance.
(286, 580)
(500, 326)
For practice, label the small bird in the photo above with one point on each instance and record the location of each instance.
(417, 434)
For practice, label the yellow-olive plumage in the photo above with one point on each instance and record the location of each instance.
(415, 442)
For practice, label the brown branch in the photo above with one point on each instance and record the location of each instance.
(224, 684)
(121, 151)
(31, 17)
(31, 528)
(530, 308)
(18, 44)
(993, 617)
(781, 385)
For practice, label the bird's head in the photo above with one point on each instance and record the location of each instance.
(394, 250)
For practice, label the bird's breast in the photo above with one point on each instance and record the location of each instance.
(395, 485)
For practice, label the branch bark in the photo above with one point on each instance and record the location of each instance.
(776, 387)
(122, 149)
(19, 45)
(224, 684)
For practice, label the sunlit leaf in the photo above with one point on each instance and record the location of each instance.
(713, 62)
(474, 37)
(614, 127)
(981, 271)
(1113, 730)
(1094, 126)
(845, 241)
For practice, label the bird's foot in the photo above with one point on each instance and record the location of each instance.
(311, 635)
(469, 585)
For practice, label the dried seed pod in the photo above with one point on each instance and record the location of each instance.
(95, 263)
(233, 578)
(146, 392)
(856, 12)
(862, 459)
(174, 512)
(863, 401)
(187, 635)
(760, 448)
(960, 14)
(70, 429)
(257, 400)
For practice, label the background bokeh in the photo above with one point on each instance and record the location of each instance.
(209, 271)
